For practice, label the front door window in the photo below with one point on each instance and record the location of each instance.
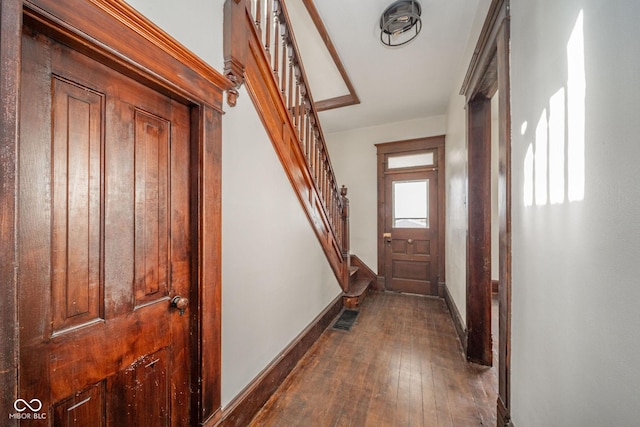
(411, 204)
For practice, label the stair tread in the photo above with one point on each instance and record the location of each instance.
(353, 270)
(358, 287)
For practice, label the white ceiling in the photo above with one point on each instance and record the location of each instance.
(393, 84)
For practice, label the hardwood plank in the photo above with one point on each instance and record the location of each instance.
(401, 364)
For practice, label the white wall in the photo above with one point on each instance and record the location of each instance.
(275, 277)
(456, 176)
(576, 269)
(353, 155)
(197, 24)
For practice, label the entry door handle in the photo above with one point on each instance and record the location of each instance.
(387, 238)
(180, 303)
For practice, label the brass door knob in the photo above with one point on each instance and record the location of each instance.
(410, 241)
(180, 303)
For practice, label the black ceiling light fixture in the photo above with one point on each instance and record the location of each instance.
(400, 23)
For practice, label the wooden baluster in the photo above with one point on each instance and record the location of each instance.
(316, 151)
(296, 102)
(258, 15)
(283, 70)
(303, 120)
(276, 41)
(290, 76)
(345, 223)
(326, 177)
(331, 205)
(327, 201)
(308, 139)
(270, 23)
(322, 176)
(334, 207)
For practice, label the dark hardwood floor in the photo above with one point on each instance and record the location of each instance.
(400, 365)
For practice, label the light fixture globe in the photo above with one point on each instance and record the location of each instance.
(400, 23)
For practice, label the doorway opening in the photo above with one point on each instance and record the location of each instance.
(488, 76)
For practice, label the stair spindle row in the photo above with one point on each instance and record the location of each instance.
(272, 23)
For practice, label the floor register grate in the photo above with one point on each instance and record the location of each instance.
(346, 320)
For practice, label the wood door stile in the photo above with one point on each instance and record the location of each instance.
(118, 194)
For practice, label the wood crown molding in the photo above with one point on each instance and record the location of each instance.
(141, 25)
(146, 48)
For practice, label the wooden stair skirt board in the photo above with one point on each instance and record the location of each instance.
(360, 282)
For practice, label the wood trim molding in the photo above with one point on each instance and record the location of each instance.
(503, 415)
(147, 53)
(115, 34)
(485, 47)
(247, 404)
(479, 231)
(337, 102)
(504, 218)
(10, 66)
(340, 101)
(459, 324)
(488, 72)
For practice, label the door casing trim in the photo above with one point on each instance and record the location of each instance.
(489, 71)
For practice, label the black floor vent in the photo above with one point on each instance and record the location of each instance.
(346, 319)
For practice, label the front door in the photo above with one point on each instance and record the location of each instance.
(104, 244)
(410, 220)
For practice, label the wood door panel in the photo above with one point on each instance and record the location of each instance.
(100, 356)
(151, 207)
(421, 247)
(86, 408)
(76, 229)
(140, 394)
(410, 269)
(106, 229)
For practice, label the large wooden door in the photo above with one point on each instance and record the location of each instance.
(411, 215)
(104, 244)
(411, 232)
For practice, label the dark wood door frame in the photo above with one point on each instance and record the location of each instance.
(407, 146)
(489, 72)
(116, 35)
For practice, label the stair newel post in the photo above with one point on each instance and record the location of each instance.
(345, 234)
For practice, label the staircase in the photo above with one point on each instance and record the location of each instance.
(361, 279)
(261, 53)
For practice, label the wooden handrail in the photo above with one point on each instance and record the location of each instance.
(261, 51)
